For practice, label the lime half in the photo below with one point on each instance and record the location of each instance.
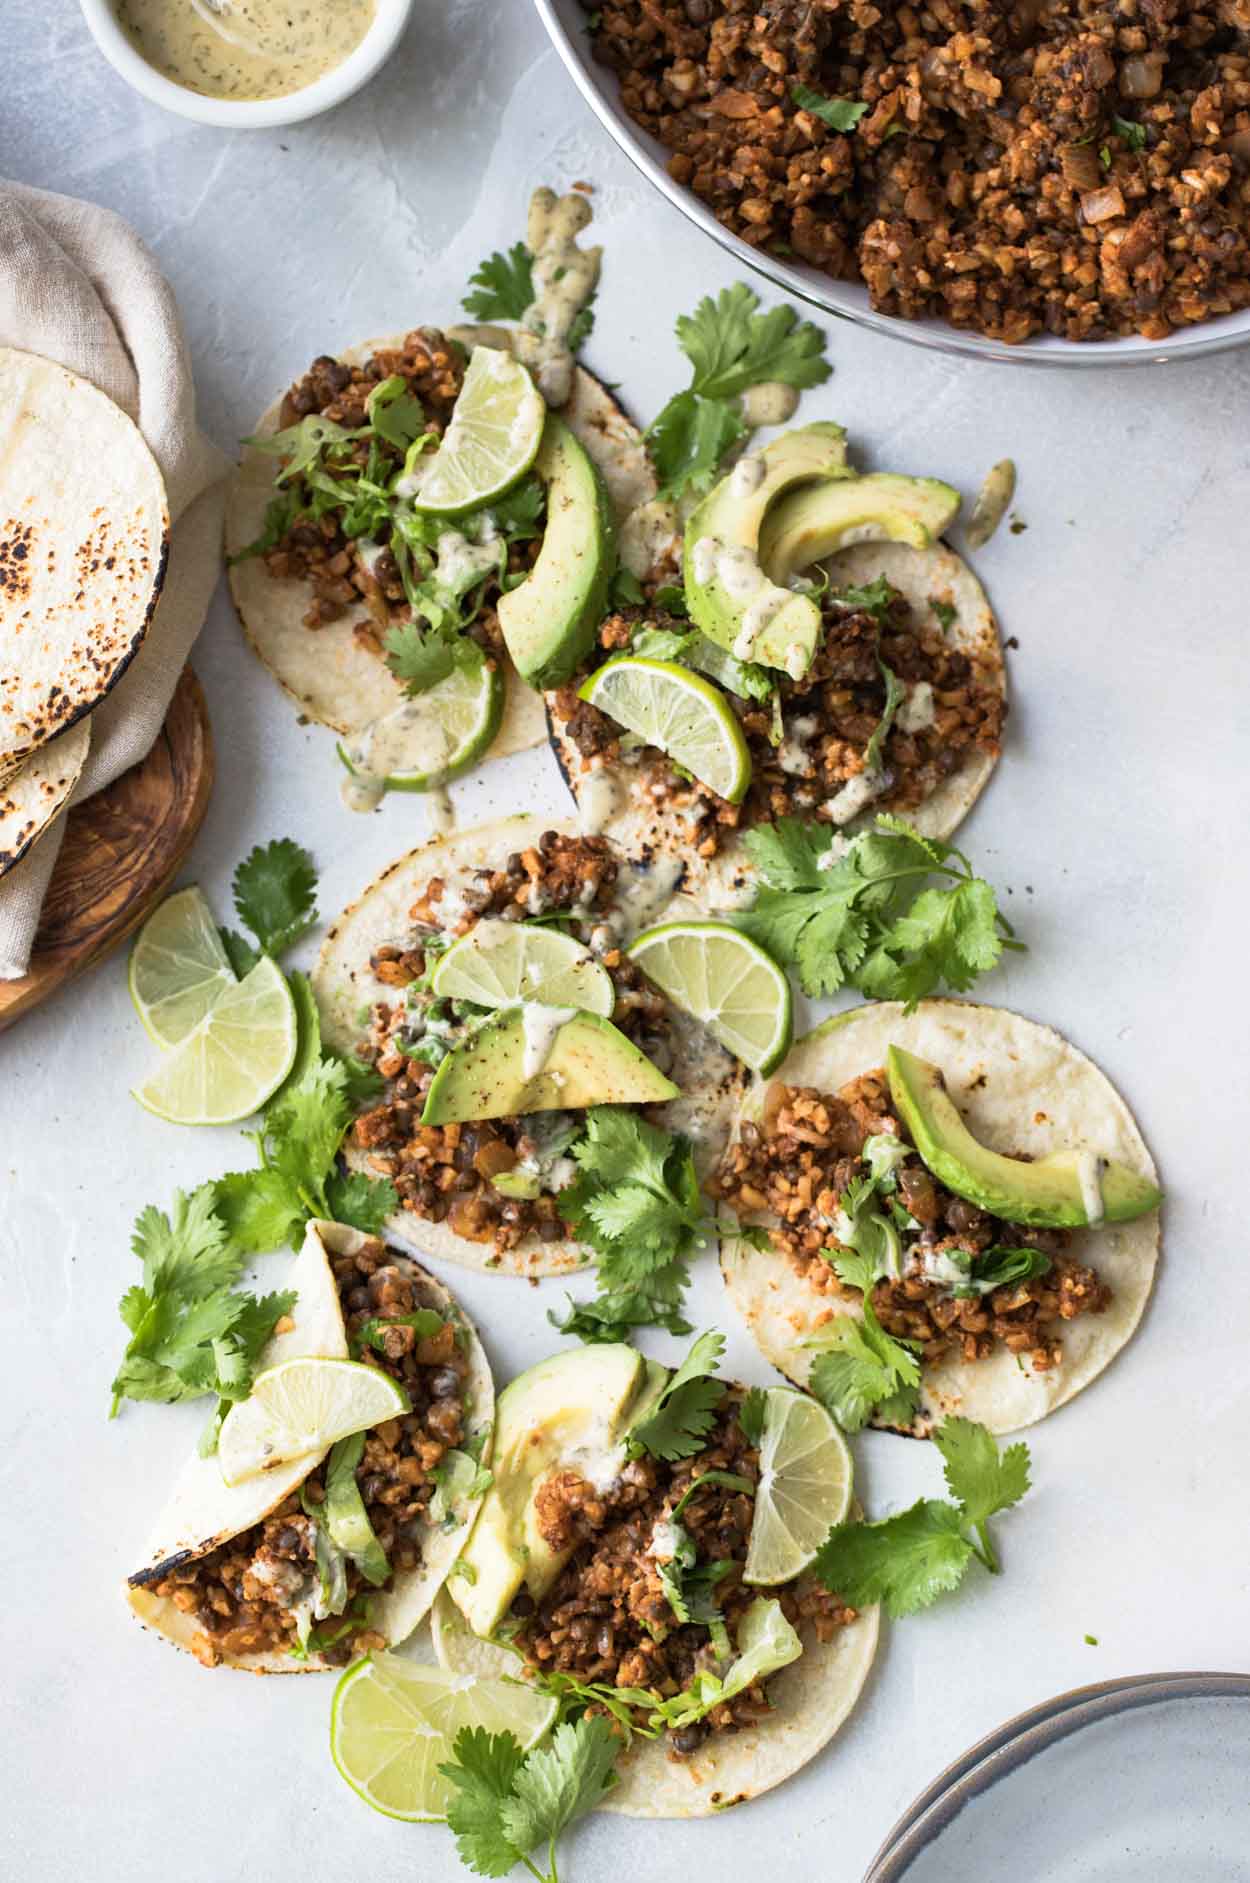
(394, 1722)
(178, 967)
(433, 736)
(804, 1487)
(726, 980)
(682, 713)
(498, 964)
(234, 1059)
(492, 440)
(301, 1406)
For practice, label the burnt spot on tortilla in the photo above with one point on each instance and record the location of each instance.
(15, 560)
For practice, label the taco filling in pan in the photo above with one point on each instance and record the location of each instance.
(347, 1555)
(485, 980)
(967, 1225)
(627, 1554)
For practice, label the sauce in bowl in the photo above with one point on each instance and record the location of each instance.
(244, 49)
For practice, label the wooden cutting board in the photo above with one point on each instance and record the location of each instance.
(122, 849)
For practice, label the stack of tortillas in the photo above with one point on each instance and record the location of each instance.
(84, 536)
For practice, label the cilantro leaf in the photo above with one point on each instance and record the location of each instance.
(873, 919)
(860, 1369)
(980, 1478)
(751, 1415)
(501, 287)
(483, 1770)
(730, 346)
(560, 1781)
(613, 1315)
(419, 660)
(1130, 133)
(895, 694)
(258, 1208)
(908, 1560)
(395, 412)
(840, 114)
(364, 1202)
(275, 894)
(905, 1561)
(680, 1419)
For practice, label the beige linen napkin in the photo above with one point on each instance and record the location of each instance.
(77, 285)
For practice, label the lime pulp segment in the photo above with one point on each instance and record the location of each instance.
(178, 967)
(491, 441)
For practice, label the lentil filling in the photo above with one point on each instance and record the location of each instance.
(316, 548)
(444, 1173)
(799, 1162)
(245, 1594)
(607, 1620)
(954, 708)
(1071, 167)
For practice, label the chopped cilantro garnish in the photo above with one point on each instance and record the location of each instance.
(1130, 133)
(502, 287)
(681, 1418)
(908, 1560)
(752, 1412)
(840, 114)
(868, 920)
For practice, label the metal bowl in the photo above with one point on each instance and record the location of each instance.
(565, 21)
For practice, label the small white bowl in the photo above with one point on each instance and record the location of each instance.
(357, 69)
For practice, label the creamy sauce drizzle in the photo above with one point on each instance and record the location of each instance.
(1089, 1176)
(650, 538)
(408, 740)
(747, 475)
(854, 795)
(244, 49)
(917, 711)
(772, 402)
(598, 801)
(565, 277)
(540, 1026)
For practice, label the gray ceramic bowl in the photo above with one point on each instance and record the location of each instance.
(565, 21)
(1143, 1777)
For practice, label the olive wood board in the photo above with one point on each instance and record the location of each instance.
(121, 850)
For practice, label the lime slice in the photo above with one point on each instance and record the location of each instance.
(394, 1722)
(492, 440)
(235, 1058)
(435, 735)
(726, 980)
(178, 967)
(498, 964)
(682, 713)
(804, 1487)
(300, 1406)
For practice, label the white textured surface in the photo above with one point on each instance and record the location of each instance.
(1118, 821)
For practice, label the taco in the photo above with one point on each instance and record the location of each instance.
(320, 574)
(31, 798)
(600, 1571)
(84, 534)
(972, 1171)
(262, 1575)
(901, 709)
(482, 1186)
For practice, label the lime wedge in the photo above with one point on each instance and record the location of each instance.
(492, 440)
(804, 1487)
(301, 1406)
(682, 713)
(726, 980)
(498, 964)
(435, 735)
(233, 1060)
(178, 967)
(394, 1722)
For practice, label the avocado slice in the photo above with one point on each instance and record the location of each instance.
(550, 620)
(533, 1058)
(730, 597)
(570, 1412)
(1067, 1190)
(807, 524)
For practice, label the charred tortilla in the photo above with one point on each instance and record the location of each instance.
(345, 982)
(84, 534)
(203, 1512)
(1023, 1090)
(32, 797)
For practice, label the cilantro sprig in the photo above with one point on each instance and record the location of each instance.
(508, 1802)
(502, 288)
(275, 896)
(731, 346)
(873, 917)
(635, 1202)
(191, 1331)
(908, 1560)
(679, 1421)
